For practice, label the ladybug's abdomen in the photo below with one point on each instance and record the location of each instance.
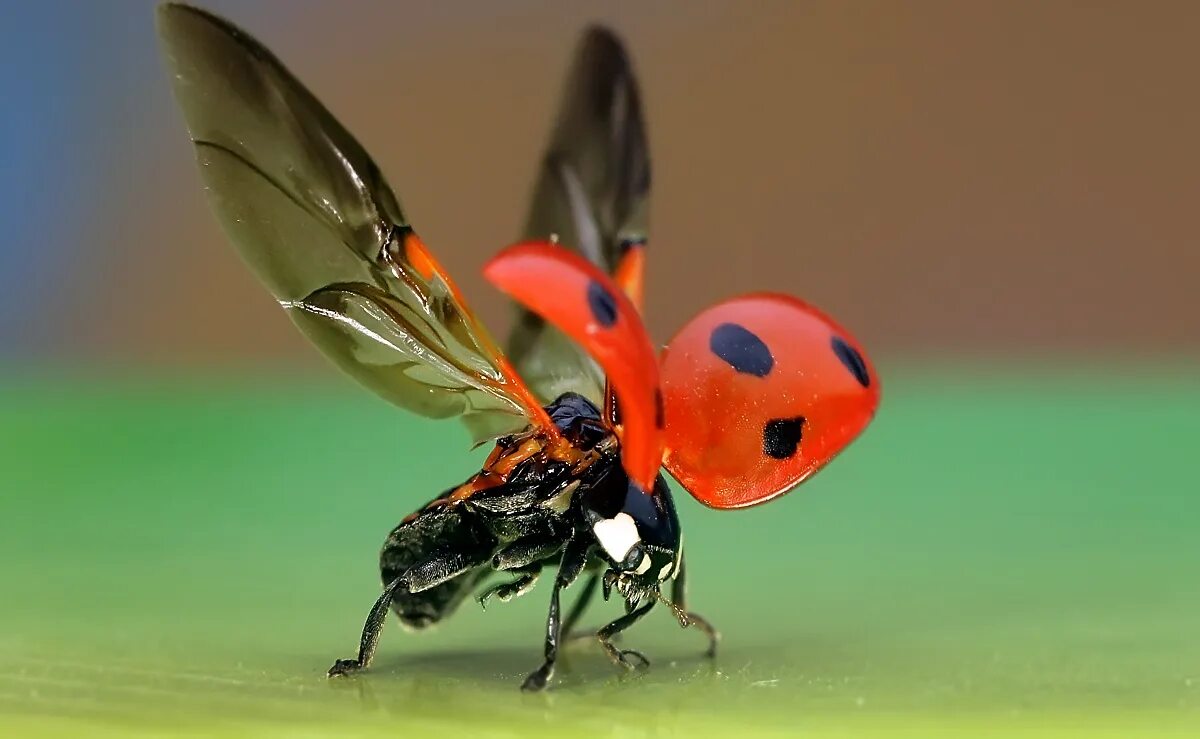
(428, 535)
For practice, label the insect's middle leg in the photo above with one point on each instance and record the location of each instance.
(573, 560)
(523, 558)
(526, 551)
(526, 578)
(581, 603)
(421, 576)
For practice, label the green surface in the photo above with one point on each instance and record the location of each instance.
(999, 556)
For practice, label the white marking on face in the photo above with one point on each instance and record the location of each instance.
(665, 572)
(643, 565)
(617, 535)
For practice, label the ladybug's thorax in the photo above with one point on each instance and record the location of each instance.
(582, 440)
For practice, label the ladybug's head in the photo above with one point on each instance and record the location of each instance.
(637, 533)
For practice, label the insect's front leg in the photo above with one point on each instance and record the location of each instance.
(679, 601)
(627, 658)
(421, 576)
(573, 560)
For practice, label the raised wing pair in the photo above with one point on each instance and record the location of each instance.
(750, 397)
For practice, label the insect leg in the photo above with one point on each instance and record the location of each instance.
(625, 658)
(421, 576)
(526, 551)
(524, 556)
(573, 560)
(526, 578)
(581, 604)
(370, 633)
(679, 599)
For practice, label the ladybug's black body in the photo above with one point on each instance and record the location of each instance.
(545, 512)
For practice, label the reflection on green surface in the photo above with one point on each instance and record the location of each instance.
(996, 557)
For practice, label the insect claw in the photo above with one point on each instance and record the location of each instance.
(343, 667)
(629, 659)
(537, 679)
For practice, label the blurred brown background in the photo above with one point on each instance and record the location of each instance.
(1000, 178)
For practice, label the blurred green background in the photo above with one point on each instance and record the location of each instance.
(997, 198)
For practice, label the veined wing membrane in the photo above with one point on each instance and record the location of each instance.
(311, 214)
(593, 193)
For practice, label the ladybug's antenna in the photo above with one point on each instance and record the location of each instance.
(680, 615)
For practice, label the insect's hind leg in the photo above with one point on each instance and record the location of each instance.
(370, 633)
(421, 576)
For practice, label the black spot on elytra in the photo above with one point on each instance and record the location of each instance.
(602, 304)
(853, 361)
(659, 412)
(741, 349)
(781, 437)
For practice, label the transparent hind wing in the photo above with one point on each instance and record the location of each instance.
(593, 194)
(311, 214)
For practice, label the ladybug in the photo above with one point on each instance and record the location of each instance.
(748, 399)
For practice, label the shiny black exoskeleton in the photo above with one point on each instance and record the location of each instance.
(547, 511)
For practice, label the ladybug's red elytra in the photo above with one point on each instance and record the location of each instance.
(748, 399)
(751, 397)
(761, 392)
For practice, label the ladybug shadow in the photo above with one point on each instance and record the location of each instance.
(404, 682)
